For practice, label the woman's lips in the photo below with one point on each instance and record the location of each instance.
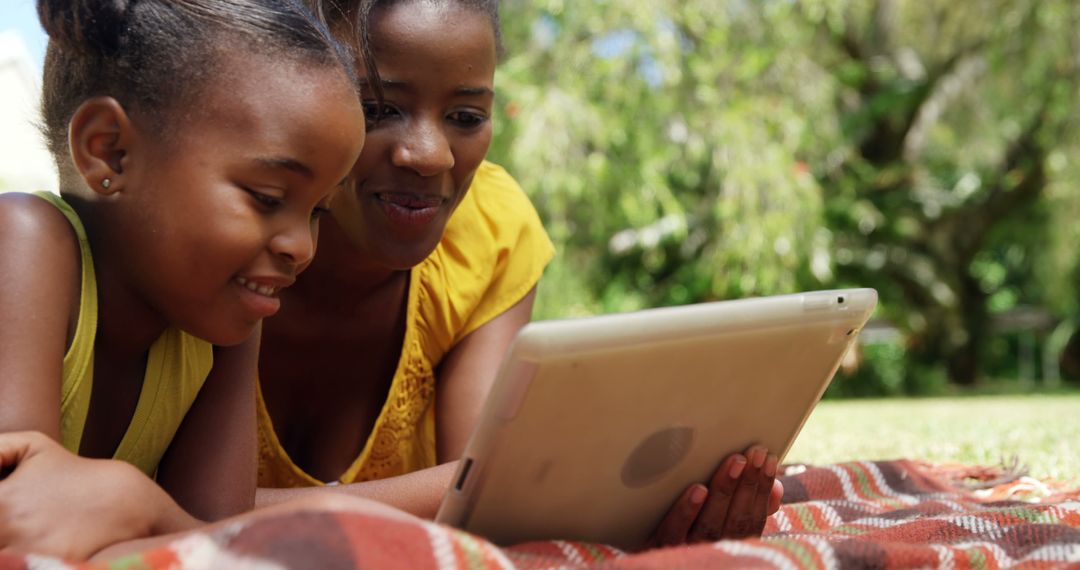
(409, 210)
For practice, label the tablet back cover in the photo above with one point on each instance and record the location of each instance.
(595, 426)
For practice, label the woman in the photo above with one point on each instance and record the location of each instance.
(375, 371)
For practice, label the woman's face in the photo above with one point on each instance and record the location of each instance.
(437, 66)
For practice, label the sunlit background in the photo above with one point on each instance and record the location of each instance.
(697, 150)
(25, 164)
(691, 150)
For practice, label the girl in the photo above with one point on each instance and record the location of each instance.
(374, 373)
(197, 142)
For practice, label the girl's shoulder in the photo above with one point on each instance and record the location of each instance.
(40, 268)
(37, 227)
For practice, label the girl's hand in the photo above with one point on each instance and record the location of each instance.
(56, 503)
(742, 494)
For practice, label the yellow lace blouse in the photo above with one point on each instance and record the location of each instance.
(492, 253)
(176, 368)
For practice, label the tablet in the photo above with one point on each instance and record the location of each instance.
(595, 426)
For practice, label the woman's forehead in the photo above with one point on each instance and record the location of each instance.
(432, 29)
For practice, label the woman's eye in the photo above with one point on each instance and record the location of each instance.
(467, 119)
(373, 112)
(319, 212)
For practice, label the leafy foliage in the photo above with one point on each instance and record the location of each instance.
(683, 151)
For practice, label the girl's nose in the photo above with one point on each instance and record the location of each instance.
(295, 243)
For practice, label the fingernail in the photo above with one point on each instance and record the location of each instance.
(698, 494)
(737, 467)
(759, 457)
(770, 466)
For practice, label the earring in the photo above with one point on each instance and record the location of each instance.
(106, 183)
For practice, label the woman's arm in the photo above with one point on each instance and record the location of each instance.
(418, 493)
(465, 377)
(467, 373)
(210, 466)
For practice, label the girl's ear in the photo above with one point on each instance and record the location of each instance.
(101, 135)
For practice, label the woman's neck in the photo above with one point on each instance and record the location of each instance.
(341, 274)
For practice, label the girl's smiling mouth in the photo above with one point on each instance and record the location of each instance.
(261, 289)
(260, 296)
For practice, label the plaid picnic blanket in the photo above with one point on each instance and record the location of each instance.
(894, 514)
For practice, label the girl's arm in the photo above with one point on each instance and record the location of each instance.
(309, 502)
(39, 297)
(51, 500)
(56, 503)
(210, 467)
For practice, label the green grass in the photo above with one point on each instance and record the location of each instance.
(1042, 431)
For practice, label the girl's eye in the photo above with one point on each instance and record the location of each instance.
(467, 119)
(319, 212)
(264, 199)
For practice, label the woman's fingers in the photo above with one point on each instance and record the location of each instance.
(722, 488)
(742, 514)
(742, 493)
(676, 525)
(776, 496)
(759, 508)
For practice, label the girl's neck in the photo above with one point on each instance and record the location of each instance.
(125, 321)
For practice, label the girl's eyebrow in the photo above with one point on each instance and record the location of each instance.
(285, 163)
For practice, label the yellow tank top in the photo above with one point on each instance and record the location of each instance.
(176, 368)
(492, 253)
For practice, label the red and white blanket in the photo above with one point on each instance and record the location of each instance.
(891, 514)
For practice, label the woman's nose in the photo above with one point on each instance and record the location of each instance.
(425, 149)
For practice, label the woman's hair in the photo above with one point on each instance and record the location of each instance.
(356, 16)
(152, 55)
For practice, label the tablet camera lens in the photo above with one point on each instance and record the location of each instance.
(840, 300)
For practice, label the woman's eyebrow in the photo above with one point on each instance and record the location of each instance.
(469, 90)
(394, 84)
(387, 84)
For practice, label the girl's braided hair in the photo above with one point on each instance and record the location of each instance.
(154, 55)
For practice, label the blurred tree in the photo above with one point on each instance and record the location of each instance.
(659, 141)
(688, 150)
(951, 112)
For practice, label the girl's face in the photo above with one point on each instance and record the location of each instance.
(437, 65)
(223, 211)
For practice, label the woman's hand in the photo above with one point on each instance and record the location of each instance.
(56, 503)
(743, 493)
